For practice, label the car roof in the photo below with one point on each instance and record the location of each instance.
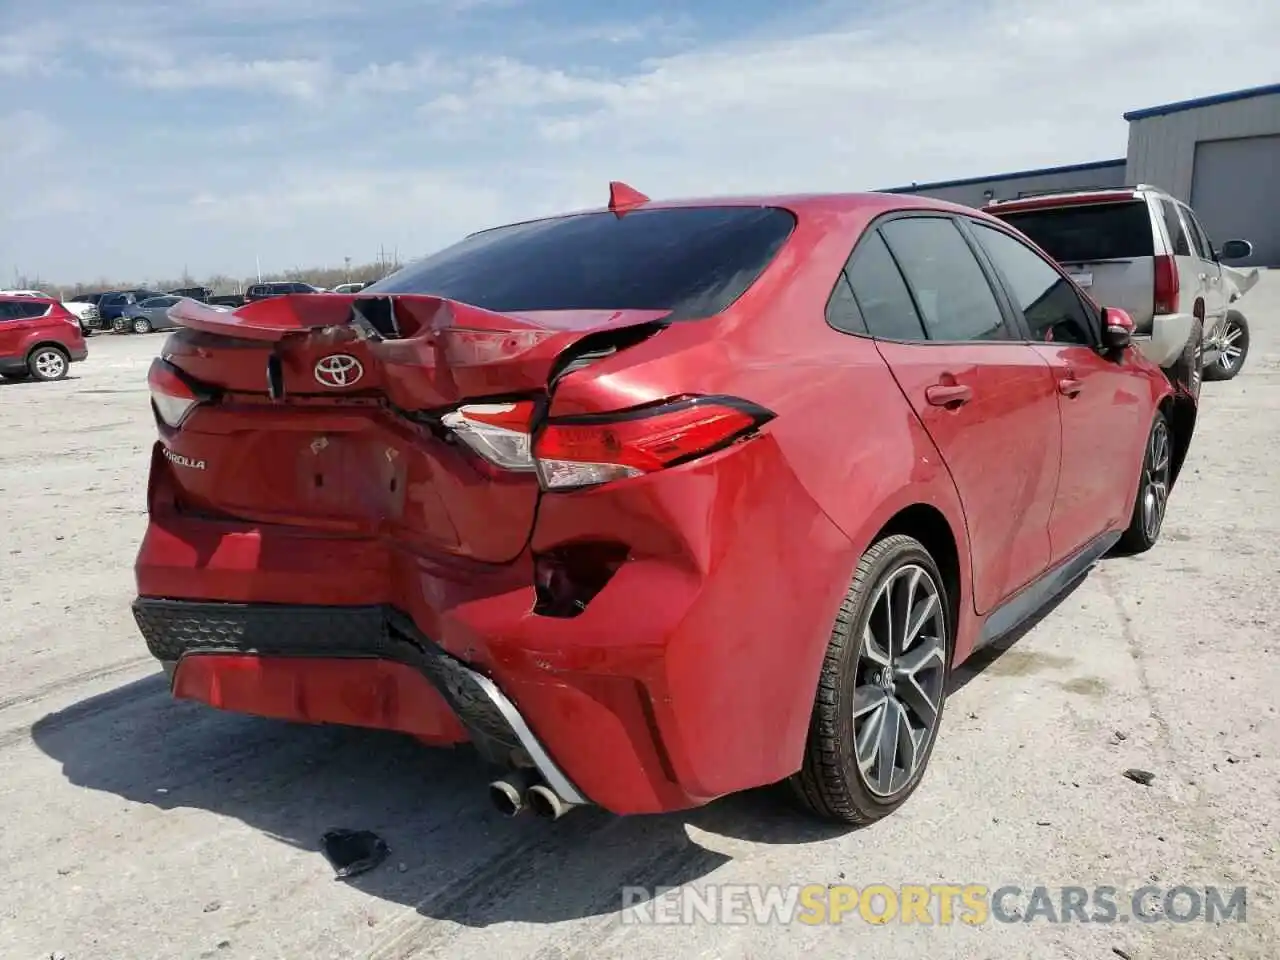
(802, 204)
(25, 298)
(1072, 198)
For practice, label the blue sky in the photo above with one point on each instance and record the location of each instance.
(142, 137)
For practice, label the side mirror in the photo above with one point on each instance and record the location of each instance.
(1117, 328)
(1237, 250)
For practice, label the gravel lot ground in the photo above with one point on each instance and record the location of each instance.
(137, 827)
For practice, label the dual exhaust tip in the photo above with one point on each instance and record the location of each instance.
(520, 791)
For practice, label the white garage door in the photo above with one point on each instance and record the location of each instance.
(1236, 193)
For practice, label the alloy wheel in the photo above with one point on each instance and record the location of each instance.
(1231, 351)
(899, 682)
(50, 364)
(1155, 480)
(141, 325)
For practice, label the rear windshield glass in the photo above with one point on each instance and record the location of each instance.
(1074, 234)
(692, 261)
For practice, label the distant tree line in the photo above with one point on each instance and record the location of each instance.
(221, 284)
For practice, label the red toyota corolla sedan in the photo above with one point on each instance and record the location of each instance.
(653, 503)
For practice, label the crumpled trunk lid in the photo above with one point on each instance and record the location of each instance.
(327, 413)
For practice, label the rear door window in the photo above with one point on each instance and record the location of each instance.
(951, 290)
(690, 261)
(1089, 232)
(1204, 248)
(842, 309)
(1178, 241)
(881, 293)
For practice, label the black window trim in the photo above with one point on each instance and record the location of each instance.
(1090, 310)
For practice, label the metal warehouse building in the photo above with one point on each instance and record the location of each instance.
(1220, 154)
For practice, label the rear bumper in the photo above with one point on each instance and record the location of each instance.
(689, 676)
(79, 353)
(360, 666)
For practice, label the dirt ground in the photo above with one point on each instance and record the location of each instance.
(136, 827)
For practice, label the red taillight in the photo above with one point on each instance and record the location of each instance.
(1166, 299)
(171, 395)
(583, 451)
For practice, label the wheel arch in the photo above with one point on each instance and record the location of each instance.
(41, 344)
(929, 525)
(1181, 413)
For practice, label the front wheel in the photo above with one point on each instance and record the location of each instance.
(141, 325)
(1154, 484)
(48, 363)
(1233, 348)
(882, 687)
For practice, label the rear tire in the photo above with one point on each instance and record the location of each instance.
(48, 363)
(1154, 483)
(877, 672)
(1234, 346)
(141, 325)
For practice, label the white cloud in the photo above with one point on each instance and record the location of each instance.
(926, 92)
(425, 141)
(29, 52)
(303, 79)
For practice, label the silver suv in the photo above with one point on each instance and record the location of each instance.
(1139, 249)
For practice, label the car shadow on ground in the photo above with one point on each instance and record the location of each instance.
(453, 857)
(984, 657)
(29, 382)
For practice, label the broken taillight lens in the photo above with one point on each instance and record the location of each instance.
(499, 432)
(171, 395)
(582, 451)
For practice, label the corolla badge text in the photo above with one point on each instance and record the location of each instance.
(179, 460)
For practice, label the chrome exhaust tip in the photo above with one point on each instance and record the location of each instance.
(508, 793)
(546, 803)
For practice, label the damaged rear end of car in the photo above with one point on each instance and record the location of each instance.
(478, 514)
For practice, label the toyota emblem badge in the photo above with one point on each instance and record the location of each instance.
(338, 370)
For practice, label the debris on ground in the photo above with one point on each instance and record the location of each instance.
(352, 852)
(1122, 954)
(1143, 777)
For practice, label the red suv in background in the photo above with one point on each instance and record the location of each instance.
(39, 339)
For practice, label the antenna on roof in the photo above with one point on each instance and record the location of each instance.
(623, 197)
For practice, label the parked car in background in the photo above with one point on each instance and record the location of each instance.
(112, 305)
(1140, 249)
(227, 300)
(86, 312)
(148, 315)
(39, 338)
(264, 291)
(354, 287)
(476, 471)
(194, 293)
